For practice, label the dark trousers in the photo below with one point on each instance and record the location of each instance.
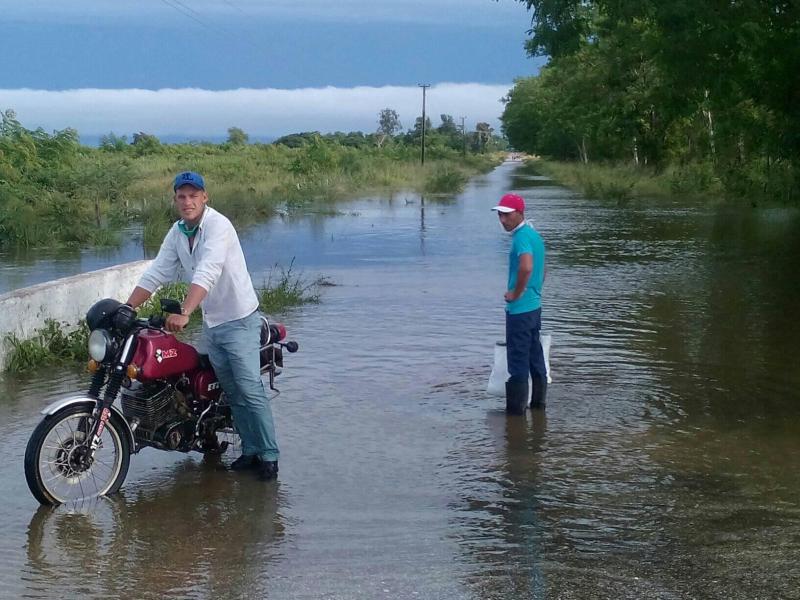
(523, 348)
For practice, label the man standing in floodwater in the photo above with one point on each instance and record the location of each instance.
(205, 244)
(523, 308)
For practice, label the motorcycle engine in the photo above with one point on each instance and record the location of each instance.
(152, 405)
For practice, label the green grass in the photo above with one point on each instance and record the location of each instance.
(285, 289)
(445, 179)
(624, 182)
(50, 345)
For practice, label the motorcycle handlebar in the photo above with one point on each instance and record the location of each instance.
(156, 321)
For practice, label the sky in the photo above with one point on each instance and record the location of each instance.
(194, 68)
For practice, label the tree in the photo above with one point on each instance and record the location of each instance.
(448, 126)
(237, 137)
(388, 124)
(113, 143)
(417, 131)
(559, 26)
(656, 82)
(145, 143)
(297, 140)
(483, 133)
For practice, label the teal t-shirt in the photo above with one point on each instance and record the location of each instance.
(526, 240)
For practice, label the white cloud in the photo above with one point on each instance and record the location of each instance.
(260, 112)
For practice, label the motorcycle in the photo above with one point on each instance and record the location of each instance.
(170, 399)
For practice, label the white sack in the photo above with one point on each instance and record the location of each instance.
(499, 374)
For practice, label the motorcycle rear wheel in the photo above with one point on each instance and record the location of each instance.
(53, 469)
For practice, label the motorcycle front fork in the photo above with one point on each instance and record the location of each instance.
(102, 410)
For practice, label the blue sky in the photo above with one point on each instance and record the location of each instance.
(305, 59)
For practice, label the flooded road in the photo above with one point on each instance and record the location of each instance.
(665, 466)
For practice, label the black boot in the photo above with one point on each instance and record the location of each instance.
(246, 462)
(516, 396)
(268, 470)
(539, 392)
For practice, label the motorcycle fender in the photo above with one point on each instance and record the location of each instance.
(65, 402)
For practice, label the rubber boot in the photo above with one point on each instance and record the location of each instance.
(538, 392)
(516, 396)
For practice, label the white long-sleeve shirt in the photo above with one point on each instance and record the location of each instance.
(215, 262)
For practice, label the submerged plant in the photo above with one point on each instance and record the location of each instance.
(287, 290)
(50, 345)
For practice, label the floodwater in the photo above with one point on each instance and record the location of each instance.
(666, 465)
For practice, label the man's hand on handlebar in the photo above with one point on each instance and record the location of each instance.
(176, 322)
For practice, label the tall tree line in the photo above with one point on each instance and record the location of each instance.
(714, 83)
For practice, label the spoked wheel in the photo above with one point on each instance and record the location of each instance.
(57, 464)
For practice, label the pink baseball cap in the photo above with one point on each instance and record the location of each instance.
(510, 203)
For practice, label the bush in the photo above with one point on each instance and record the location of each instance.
(287, 290)
(694, 178)
(50, 345)
(445, 178)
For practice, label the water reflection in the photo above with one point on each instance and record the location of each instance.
(222, 533)
(528, 177)
(722, 323)
(508, 542)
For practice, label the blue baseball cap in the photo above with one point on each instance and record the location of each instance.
(189, 178)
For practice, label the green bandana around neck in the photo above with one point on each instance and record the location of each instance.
(186, 230)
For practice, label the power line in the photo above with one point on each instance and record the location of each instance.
(235, 7)
(187, 7)
(195, 16)
(187, 12)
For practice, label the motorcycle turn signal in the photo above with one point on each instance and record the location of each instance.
(132, 372)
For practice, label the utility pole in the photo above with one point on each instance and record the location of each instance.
(463, 137)
(424, 87)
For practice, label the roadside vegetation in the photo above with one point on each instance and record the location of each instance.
(625, 181)
(51, 345)
(58, 344)
(56, 192)
(662, 98)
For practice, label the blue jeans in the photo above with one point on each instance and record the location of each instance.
(233, 351)
(523, 349)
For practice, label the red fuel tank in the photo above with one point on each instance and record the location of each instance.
(159, 355)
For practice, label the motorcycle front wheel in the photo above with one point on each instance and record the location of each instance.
(55, 465)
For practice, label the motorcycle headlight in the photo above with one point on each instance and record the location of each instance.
(99, 344)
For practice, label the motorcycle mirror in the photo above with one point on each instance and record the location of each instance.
(168, 305)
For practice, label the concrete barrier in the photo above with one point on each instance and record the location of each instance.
(65, 300)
